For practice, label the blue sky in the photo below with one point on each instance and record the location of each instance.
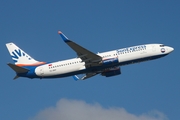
(145, 91)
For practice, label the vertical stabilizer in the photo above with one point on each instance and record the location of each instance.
(19, 56)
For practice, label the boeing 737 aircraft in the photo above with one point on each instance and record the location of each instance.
(88, 63)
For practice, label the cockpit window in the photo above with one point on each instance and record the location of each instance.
(161, 45)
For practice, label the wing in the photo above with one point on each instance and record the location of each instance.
(90, 58)
(87, 75)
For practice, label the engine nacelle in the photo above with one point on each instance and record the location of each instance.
(111, 72)
(110, 61)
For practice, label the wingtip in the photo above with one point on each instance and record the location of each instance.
(63, 36)
(59, 32)
(75, 77)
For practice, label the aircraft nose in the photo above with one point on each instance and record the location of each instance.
(170, 49)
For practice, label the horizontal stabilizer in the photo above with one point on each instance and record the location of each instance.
(17, 69)
(16, 77)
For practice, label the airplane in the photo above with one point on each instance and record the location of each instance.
(86, 63)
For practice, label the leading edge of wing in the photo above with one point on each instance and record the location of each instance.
(87, 56)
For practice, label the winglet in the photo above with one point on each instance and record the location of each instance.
(63, 36)
(75, 77)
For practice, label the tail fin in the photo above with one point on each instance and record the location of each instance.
(19, 56)
(17, 69)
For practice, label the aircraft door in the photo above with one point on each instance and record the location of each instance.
(153, 48)
(41, 71)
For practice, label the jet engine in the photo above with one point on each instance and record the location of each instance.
(111, 72)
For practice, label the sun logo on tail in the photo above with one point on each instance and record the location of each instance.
(16, 54)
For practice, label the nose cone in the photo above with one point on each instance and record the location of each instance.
(170, 49)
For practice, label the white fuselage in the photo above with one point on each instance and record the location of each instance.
(125, 56)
